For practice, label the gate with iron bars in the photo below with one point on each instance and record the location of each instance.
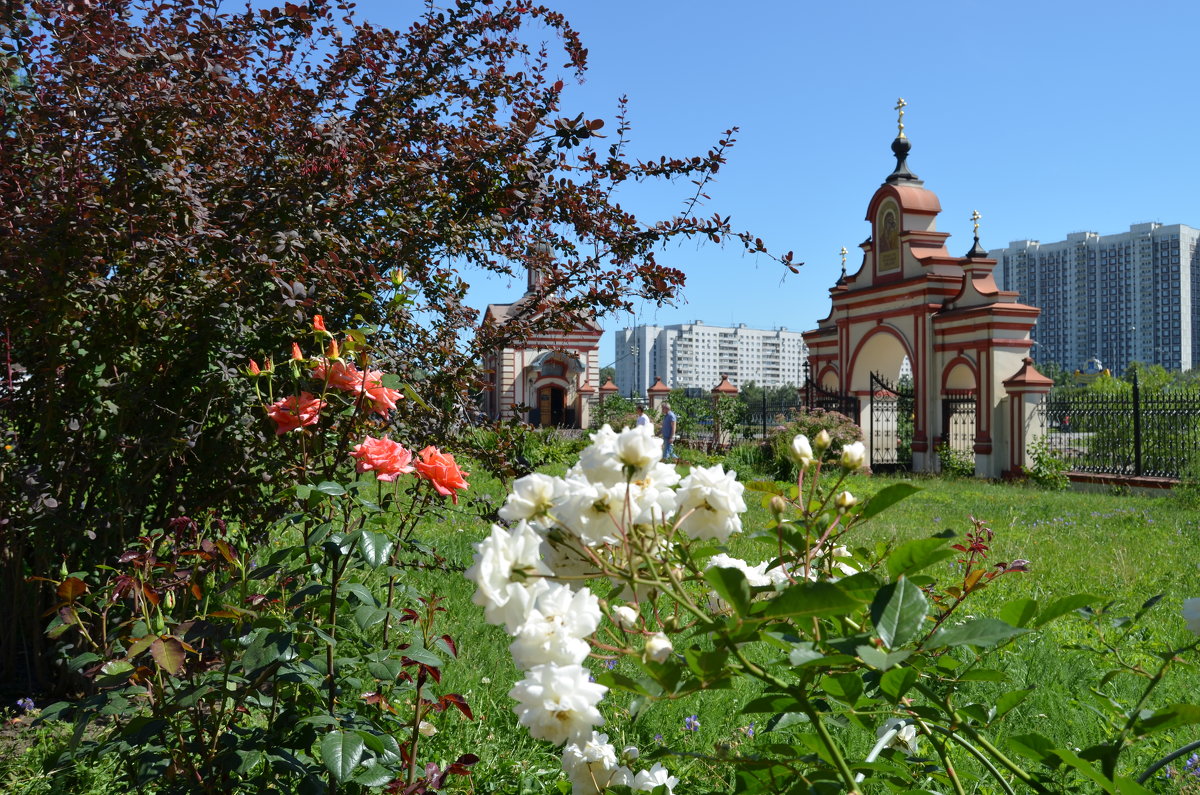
(817, 398)
(891, 426)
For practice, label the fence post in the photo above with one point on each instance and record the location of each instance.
(1137, 427)
(764, 414)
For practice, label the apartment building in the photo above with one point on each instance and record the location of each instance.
(1119, 298)
(694, 355)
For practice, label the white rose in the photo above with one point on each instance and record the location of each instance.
(591, 765)
(638, 449)
(504, 559)
(854, 457)
(658, 647)
(598, 463)
(845, 501)
(802, 451)
(710, 499)
(648, 780)
(822, 440)
(626, 617)
(532, 498)
(755, 575)
(557, 703)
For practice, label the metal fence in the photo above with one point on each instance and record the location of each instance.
(958, 420)
(1123, 433)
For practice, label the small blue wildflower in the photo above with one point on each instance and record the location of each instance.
(658, 739)
(26, 704)
(691, 723)
(748, 730)
(610, 664)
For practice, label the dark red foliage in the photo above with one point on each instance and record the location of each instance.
(183, 186)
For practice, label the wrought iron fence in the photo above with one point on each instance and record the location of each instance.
(958, 420)
(1124, 433)
(891, 429)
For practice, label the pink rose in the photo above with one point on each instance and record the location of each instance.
(440, 470)
(383, 398)
(293, 412)
(340, 375)
(385, 458)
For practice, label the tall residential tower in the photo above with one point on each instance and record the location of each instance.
(1121, 298)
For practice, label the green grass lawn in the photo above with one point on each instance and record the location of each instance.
(1119, 547)
(1122, 548)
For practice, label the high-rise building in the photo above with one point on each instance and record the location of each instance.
(1119, 298)
(695, 355)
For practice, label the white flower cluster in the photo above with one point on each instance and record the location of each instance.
(618, 505)
(565, 528)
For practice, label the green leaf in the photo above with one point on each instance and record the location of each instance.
(896, 682)
(878, 658)
(1061, 607)
(808, 599)
(330, 488)
(861, 586)
(916, 555)
(731, 585)
(618, 681)
(114, 673)
(139, 645)
(1034, 746)
(341, 752)
(887, 498)
(423, 656)
(1008, 701)
(168, 653)
(374, 775)
(1170, 717)
(1086, 768)
(978, 632)
(803, 654)
(898, 612)
(846, 688)
(375, 548)
(360, 592)
(1019, 612)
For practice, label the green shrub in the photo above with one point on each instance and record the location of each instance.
(1049, 470)
(956, 463)
(842, 431)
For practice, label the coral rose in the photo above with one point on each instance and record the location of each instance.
(341, 375)
(294, 412)
(382, 398)
(387, 459)
(440, 470)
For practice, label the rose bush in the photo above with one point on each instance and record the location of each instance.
(217, 662)
(835, 640)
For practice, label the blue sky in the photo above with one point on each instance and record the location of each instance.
(1047, 117)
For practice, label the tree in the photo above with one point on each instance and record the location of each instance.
(181, 187)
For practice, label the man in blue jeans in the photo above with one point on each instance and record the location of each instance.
(668, 432)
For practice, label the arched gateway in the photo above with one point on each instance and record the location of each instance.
(962, 336)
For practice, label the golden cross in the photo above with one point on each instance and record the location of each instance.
(900, 104)
(975, 216)
(843, 261)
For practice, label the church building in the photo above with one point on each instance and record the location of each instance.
(546, 379)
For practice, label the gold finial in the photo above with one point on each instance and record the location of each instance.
(975, 216)
(900, 105)
(843, 262)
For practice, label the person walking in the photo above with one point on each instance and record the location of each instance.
(642, 419)
(669, 423)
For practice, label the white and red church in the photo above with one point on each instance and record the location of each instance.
(548, 379)
(966, 339)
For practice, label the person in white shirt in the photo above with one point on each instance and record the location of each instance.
(642, 419)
